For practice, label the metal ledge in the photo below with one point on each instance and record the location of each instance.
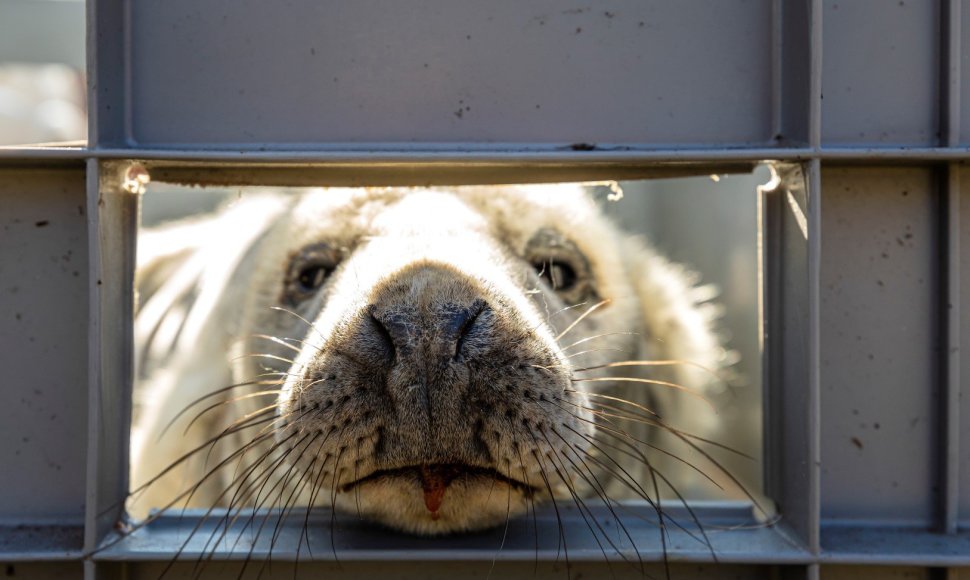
(491, 152)
(347, 539)
(30, 542)
(854, 544)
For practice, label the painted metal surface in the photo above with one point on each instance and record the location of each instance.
(844, 91)
(43, 325)
(380, 72)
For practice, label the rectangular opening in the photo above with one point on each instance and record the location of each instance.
(610, 329)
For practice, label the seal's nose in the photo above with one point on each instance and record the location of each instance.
(439, 331)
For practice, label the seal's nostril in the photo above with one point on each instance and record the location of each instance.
(463, 321)
(383, 333)
(438, 333)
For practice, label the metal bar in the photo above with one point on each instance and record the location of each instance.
(469, 153)
(92, 503)
(950, 86)
(950, 319)
(950, 268)
(815, 76)
(813, 186)
(777, 92)
(812, 572)
(107, 54)
(112, 219)
(350, 540)
(862, 544)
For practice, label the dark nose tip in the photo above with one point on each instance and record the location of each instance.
(440, 331)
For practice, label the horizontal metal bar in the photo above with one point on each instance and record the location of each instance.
(469, 153)
(40, 542)
(349, 539)
(897, 546)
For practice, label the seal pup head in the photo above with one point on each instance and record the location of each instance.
(428, 386)
(434, 352)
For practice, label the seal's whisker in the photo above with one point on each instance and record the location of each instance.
(657, 382)
(619, 433)
(567, 309)
(245, 488)
(196, 487)
(581, 317)
(263, 355)
(525, 474)
(312, 326)
(281, 483)
(505, 533)
(268, 410)
(582, 352)
(229, 402)
(290, 502)
(690, 510)
(333, 493)
(686, 439)
(248, 485)
(628, 480)
(315, 492)
(555, 505)
(314, 488)
(213, 394)
(593, 482)
(152, 517)
(655, 417)
(260, 436)
(205, 517)
(192, 452)
(595, 336)
(280, 341)
(651, 363)
(584, 510)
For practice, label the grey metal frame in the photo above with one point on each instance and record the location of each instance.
(862, 317)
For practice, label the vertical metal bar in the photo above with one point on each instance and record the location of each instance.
(950, 268)
(107, 55)
(769, 324)
(815, 76)
(91, 71)
(814, 207)
(950, 87)
(812, 572)
(777, 92)
(950, 365)
(813, 177)
(126, 100)
(92, 503)
(112, 217)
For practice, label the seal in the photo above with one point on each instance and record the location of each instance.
(434, 360)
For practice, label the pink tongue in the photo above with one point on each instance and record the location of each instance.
(435, 480)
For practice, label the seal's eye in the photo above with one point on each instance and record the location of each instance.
(308, 272)
(312, 277)
(560, 276)
(560, 266)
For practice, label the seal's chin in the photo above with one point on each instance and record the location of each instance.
(437, 499)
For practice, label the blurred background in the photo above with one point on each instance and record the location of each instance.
(42, 90)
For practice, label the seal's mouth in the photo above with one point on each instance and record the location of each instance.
(435, 479)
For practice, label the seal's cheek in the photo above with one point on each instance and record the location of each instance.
(469, 502)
